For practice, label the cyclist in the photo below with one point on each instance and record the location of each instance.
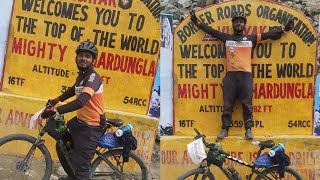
(87, 127)
(238, 82)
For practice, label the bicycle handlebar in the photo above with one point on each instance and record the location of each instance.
(208, 145)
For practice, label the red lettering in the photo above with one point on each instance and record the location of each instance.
(101, 61)
(169, 157)
(143, 154)
(37, 49)
(283, 90)
(16, 47)
(254, 30)
(224, 29)
(253, 156)
(10, 117)
(126, 64)
(186, 158)
(152, 69)
(197, 91)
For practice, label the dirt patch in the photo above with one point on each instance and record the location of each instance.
(154, 171)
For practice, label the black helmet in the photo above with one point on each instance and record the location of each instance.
(88, 46)
(239, 15)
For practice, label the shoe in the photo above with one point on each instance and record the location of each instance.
(65, 178)
(249, 134)
(223, 134)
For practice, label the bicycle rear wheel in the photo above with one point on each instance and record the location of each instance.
(197, 174)
(13, 149)
(272, 173)
(135, 169)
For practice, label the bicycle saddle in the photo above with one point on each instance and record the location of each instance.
(115, 122)
(267, 144)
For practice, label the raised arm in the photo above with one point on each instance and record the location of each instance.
(214, 33)
(276, 33)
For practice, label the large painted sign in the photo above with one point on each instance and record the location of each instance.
(16, 112)
(305, 157)
(40, 59)
(283, 71)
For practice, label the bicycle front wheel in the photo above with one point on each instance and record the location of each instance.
(135, 169)
(272, 173)
(197, 174)
(14, 164)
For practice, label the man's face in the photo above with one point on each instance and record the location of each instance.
(238, 25)
(84, 60)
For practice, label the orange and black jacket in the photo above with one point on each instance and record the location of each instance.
(89, 102)
(239, 46)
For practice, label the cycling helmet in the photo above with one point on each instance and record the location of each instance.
(239, 15)
(87, 46)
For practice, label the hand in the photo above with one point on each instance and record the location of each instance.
(194, 18)
(48, 112)
(52, 102)
(289, 25)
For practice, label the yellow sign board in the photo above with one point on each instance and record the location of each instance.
(15, 114)
(283, 71)
(302, 150)
(40, 58)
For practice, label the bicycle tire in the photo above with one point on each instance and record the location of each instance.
(118, 153)
(29, 140)
(196, 173)
(272, 172)
(63, 161)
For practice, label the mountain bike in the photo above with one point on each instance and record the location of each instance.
(216, 156)
(26, 157)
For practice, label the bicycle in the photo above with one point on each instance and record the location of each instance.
(216, 156)
(25, 157)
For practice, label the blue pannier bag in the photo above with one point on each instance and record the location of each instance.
(108, 140)
(263, 160)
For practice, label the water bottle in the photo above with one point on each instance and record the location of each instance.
(218, 145)
(274, 150)
(61, 126)
(126, 128)
(235, 175)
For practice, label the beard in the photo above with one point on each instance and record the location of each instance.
(238, 30)
(83, 69)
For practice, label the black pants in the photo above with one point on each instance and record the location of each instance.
(84, 142)
(237, 85)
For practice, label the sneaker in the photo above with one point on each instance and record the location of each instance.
(249, 134)
(223, 134)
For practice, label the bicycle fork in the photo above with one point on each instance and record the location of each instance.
(22, 166)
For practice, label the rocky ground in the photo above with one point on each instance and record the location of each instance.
(155, 162)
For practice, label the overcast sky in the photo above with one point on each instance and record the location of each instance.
(5, 13)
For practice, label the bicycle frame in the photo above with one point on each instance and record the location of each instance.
(228, 156)
(23, 165)
(118, 173)
(252, 167)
